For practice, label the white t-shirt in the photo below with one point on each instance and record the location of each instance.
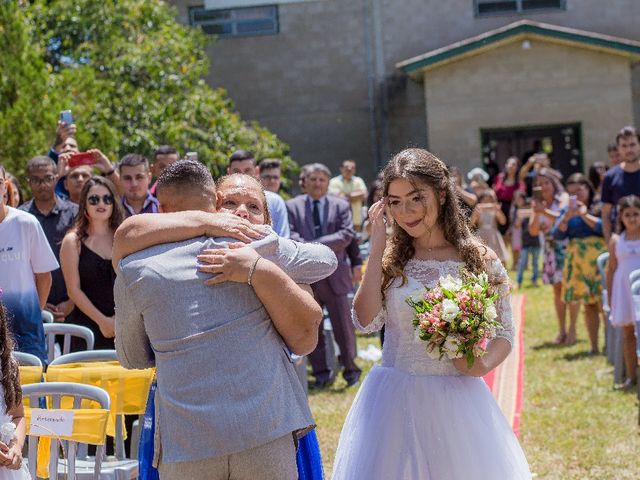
(24, 251)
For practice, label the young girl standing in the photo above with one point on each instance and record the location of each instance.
(418, 417)
(624, 257)
(11, 409)
(487, 216)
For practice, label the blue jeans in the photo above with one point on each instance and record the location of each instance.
(523, 261)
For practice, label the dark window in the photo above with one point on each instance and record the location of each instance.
(490, 7)
(236, 22)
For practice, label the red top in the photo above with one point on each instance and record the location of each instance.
(505, 192)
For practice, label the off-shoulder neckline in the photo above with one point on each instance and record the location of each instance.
(449, 262)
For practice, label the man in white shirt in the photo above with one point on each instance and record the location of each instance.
(352, 188)
(26, 263)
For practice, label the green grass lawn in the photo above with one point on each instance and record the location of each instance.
(574, 425)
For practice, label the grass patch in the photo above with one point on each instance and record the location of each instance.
(573, 426)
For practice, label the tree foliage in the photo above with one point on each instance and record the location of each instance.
(131, 74)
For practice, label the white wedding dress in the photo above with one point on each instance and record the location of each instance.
(6, 474)
(416, 418)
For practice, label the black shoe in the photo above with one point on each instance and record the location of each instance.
(321, 384)
(352, 379)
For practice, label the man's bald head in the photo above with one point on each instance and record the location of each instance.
(186, 185)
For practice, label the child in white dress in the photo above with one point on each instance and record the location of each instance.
(624, 258)
(486, 216)
(416, 417)
(12, 422)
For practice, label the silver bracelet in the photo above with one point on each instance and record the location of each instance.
(251, 270)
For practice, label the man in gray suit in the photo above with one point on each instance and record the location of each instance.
(326, 219)
(228, 397)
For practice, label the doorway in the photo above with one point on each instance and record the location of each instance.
(561, 142)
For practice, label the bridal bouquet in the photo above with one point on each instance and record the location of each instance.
(456, 317)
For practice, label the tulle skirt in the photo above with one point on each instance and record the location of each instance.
(404, 426)
(21, 474)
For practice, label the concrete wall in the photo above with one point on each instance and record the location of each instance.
(327, 83)
(511, 87)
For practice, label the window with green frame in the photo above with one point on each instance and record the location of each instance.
(491, 7)
(236, 22)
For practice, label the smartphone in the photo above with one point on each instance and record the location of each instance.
(537, 194)
(191, 156)
(81, 158)
(573, 201)
(523, 213)
(66, 117)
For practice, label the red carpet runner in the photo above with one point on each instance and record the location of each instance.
(506, 382)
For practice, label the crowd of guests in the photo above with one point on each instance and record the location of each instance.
(55, 248)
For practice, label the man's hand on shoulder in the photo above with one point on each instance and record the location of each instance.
(229, 225)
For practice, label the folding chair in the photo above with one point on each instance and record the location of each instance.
(128, 390)
(67, 330)
(89, 426)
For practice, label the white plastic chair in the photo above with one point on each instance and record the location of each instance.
(27, 359)
(66, 330)
(56, 391)
(47, 317)
(608, 328)
(122, 467)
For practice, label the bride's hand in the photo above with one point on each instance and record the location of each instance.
(479, 368)
(378, 238)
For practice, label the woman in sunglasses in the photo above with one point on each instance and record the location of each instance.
(85, 259)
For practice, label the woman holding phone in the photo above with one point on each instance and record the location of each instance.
(549, 198)
(581, 277)
(85, 259)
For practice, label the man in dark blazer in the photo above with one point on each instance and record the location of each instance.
(318, 217)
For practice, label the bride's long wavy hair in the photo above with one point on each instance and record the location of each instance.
(419, 166)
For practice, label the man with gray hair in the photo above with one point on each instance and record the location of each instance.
(326, 219)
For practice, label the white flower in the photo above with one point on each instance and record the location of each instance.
(449, 310)
(477, 289)
(7, 431)
(451, 346)
(490, 313)
(450, 283)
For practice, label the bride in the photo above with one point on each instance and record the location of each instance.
(414, 417)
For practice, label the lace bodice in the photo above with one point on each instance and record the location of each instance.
(402, 349)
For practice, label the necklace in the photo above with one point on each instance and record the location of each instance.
(435, 247)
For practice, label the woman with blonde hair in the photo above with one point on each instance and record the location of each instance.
(549, 198)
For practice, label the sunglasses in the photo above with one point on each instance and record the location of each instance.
(95, 199)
